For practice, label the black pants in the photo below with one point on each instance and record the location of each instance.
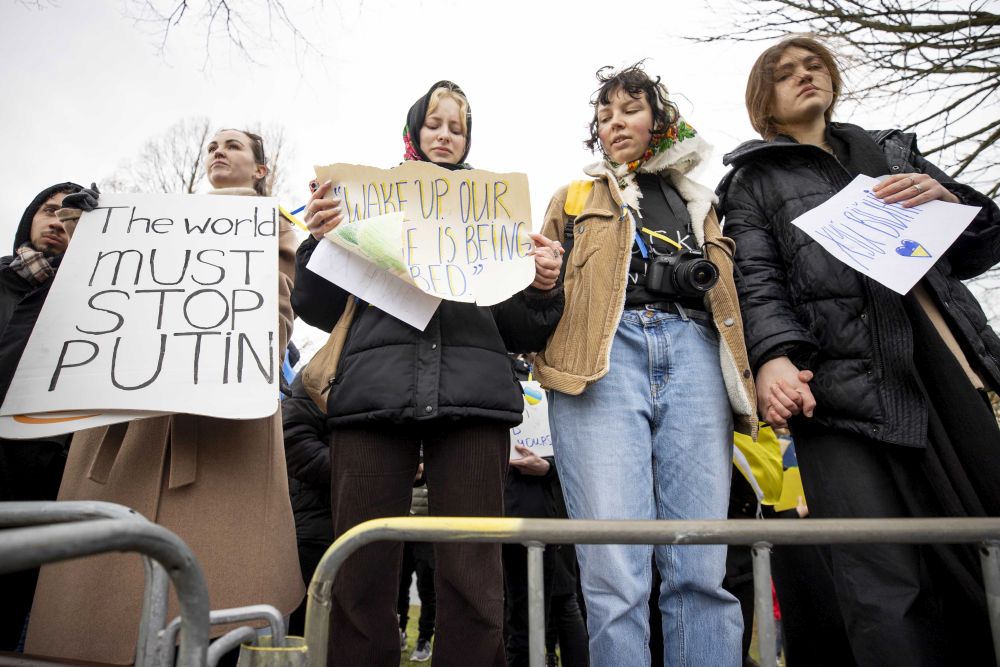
(564, 623)
(29, 470)
(373, 470)
(902, 604)
(418, 558)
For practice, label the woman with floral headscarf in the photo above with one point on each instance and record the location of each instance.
(448, 390)
(647, 369)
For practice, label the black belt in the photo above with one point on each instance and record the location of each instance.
(674, 308)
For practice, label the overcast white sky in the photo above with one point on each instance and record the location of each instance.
(85, 87)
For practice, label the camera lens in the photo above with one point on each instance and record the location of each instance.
(701, 275)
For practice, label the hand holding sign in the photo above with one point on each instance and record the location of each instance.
(909, 190)
(322, 214)
(529, 463)
(548, 261)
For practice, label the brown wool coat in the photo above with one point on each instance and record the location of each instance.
(578, 351)
(220, 485)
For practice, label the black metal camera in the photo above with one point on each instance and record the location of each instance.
(683, 274)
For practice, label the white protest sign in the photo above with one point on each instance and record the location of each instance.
(892, 245)
(534, 432)
(463, 235)
(163, 303)
(353, 273)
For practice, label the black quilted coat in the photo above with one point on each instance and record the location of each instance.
(799, 301)
(456, 368)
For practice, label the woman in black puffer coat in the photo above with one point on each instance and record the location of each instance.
(885, 394)
(450, 389)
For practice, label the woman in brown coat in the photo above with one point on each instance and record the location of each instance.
(219, 484)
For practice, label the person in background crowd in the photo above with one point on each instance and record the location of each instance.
(418, 558)
(532, 490)
(448, 389)
(884, 393)
(307, 456)
(647, 372)
(219, 484)
(29, 469)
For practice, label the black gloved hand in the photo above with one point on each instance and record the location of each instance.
(85, 200)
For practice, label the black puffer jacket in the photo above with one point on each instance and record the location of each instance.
(799, 301)
(307, 454)
(457, 367)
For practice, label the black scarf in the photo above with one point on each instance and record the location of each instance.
(415, 121)
(856, 151)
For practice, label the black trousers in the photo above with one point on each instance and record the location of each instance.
(564, 623)
(373, 471)
(902, 604)
(418, 558)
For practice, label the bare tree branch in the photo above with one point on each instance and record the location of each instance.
(249, 26)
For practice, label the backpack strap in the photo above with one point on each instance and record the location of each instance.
(576, 199)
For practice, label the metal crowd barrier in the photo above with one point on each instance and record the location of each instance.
(760, 535)
(37, 533)
(154, 601)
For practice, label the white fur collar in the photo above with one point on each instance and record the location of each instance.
(675, 163)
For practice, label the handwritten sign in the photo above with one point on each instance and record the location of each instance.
(458, 235)
(534, 432)
(892, 245)
(163, 303)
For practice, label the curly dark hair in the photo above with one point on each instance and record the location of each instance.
(634, 81)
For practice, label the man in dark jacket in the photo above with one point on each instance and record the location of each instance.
(29, 469)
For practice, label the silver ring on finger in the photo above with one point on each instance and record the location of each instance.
(916, 186)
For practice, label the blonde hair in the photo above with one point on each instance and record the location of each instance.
(441, 93)
(760, 84)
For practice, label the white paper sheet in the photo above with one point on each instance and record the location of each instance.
(370, 283)
(892, 245)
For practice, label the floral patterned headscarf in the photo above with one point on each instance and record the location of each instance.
(415, 121)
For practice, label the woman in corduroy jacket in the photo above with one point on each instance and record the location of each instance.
(884, 393)
(449, 389)
(647, 376)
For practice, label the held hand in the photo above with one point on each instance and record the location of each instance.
(322, 215)
(910, 190)
(85, 199)
(548, 260)
(530, 463)
(801, 508)
(783, 391)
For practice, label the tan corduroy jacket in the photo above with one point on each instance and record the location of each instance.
(577, 354)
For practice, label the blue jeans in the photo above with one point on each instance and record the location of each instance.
(652, 440)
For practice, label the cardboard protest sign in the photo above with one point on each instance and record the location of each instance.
(892, 245)
(162, 303)
(534, 432)
(457, 235)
